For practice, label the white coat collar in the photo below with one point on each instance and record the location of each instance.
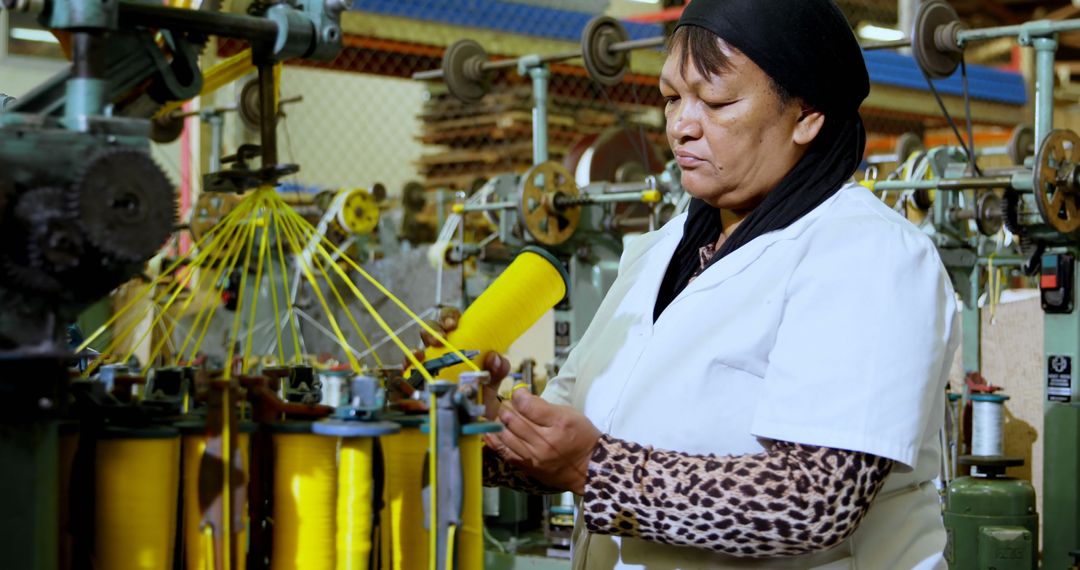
(660, 254)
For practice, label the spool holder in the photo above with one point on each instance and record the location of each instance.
(605, 47)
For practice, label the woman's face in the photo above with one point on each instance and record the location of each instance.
(732, 135)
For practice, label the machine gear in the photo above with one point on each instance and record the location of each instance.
(124, 203)
(53, 245)
(1010, 212)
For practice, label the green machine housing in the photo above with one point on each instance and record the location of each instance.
(991, 523)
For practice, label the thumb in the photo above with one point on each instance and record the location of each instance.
(533, 408)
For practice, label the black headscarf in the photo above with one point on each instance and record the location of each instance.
(808, 48)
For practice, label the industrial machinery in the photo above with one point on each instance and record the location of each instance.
(578, 211)
(963, 208)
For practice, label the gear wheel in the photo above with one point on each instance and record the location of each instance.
(53, 242)
(124, 203)
(1010, 213)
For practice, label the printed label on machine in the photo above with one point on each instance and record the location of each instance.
(1059, 378)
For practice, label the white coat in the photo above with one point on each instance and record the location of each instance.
(836, 331)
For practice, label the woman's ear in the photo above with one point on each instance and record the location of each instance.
(808, 126)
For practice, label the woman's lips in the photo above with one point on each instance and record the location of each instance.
(687, 160)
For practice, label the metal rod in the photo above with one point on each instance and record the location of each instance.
(256, 30)
(947, 184)
(1045, 49)
(267, 115)
(1033, 29)
(643, 43)
(629, 45)
(488, 207)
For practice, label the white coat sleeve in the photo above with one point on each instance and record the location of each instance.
(862, 344)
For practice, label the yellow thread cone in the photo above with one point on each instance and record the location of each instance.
(529, 287)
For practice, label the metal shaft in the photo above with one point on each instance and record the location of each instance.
(629, 45)
(267, 115)
(1019, 181)
(252, 29)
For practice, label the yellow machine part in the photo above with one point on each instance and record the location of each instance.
(359, 214)
(195, 551)
(529, 287)
(305, 502)
(135, 513)
(404, 544)
(356, 486)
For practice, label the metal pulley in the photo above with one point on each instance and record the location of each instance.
(1021, 143)
(359, 213)
(605, 48)
(934, 38)
(463, 70)
(547, 203)
(989, 216)
(605, 65)
(1057, 190)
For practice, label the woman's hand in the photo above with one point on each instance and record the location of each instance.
(495, 364)
(553, 444)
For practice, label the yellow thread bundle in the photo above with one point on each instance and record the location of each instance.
(355, 499)
(305, 501)
(529, 287)
(135, 511)
(404, 542)
(196, 556)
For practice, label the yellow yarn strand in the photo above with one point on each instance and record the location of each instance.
(273, 298)
(258, 284)
(300, 230)
(356, 482)
(305, 502)
(306, 269)
(156, 351)
(276, 222)
(401, 305)
(211, 302)
(235, 328)
(172, 290)
(371, 310)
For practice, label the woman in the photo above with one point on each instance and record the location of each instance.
(763, 384)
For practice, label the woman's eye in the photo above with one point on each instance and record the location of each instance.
(670, 99)
(717, 105)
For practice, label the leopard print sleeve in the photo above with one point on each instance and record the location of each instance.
(790, 500)
(499, 473)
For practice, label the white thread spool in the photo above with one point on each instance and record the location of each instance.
(988, 424)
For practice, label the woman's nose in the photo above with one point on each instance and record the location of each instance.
(683, 125)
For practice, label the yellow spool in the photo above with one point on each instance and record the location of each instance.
(195, 553)
(404, 544)
(356, 485)
(470, 535)
(137, 479)
(305, 500)
(529, 287)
